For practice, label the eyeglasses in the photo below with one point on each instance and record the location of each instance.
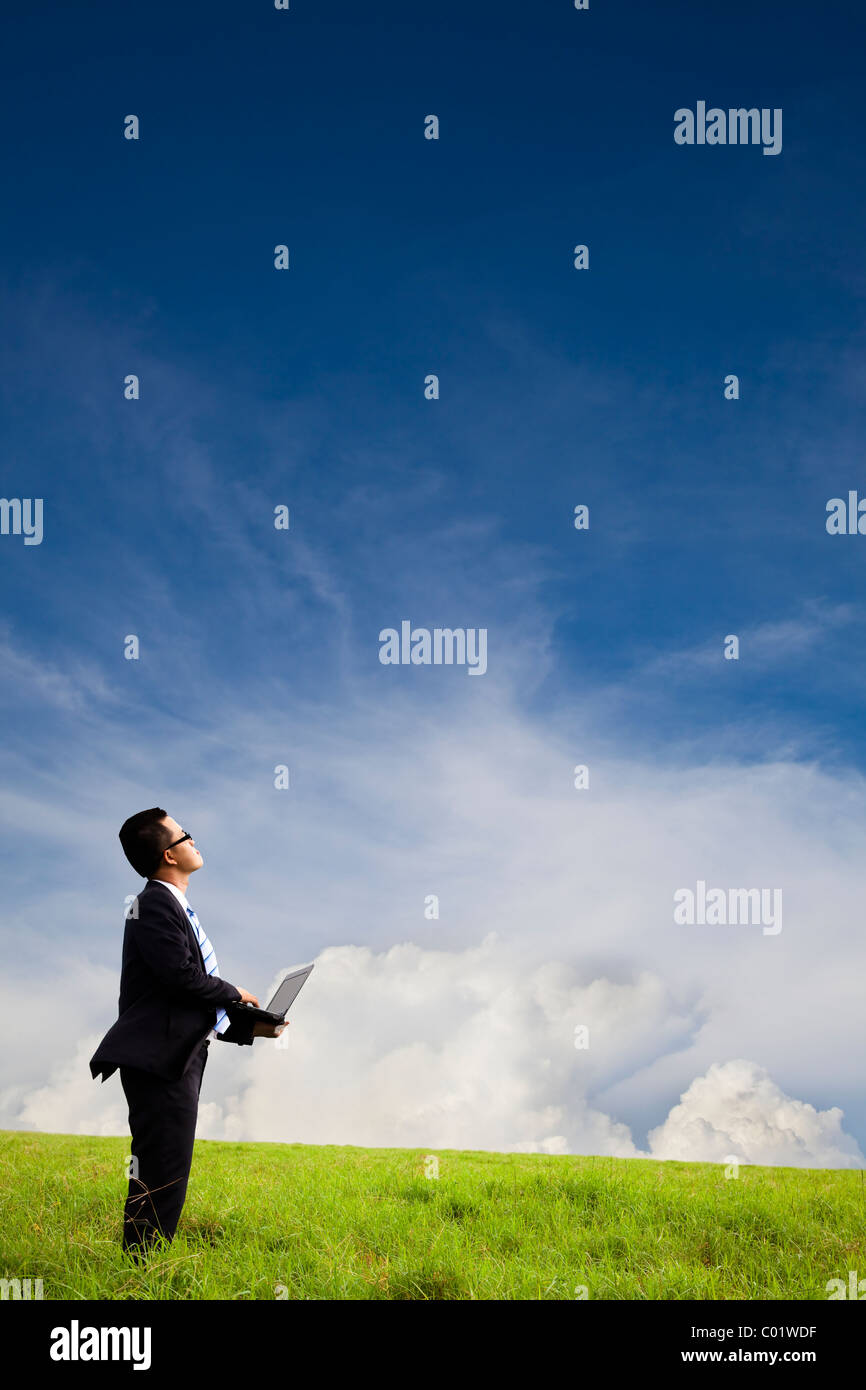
(159, 863)
(185, 836)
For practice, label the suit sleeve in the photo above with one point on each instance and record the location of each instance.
(165, 947)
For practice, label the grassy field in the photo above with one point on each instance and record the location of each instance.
(265, 1221)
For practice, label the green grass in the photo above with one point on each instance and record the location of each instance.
(344, 1223)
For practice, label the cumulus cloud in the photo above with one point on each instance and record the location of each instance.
(470, 1049)
(736, 1109)
(457, 1036)
(449, 1049)
(71, 1102)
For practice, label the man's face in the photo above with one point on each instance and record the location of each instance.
(184, 857)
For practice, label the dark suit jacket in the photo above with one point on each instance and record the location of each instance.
(168, 1003)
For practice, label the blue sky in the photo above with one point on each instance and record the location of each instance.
(558, 387)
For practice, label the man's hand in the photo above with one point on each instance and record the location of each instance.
(268, 1030)
(247, 998)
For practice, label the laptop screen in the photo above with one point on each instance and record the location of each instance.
(288, 991)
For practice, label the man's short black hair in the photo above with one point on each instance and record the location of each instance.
(144, 837)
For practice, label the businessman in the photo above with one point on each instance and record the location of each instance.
(172, 1002)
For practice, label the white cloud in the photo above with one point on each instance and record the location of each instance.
(469, 1049)
(71, 1102)
(768, 644)
(737, 1109)
(74, 687)
(447, 1049)
(467, 1040)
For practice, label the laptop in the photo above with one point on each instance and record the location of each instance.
(283, 998)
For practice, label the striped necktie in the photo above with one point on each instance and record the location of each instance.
(210, 964)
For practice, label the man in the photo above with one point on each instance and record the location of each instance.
(172, 1001)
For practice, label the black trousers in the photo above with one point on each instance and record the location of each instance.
(162, 1116)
